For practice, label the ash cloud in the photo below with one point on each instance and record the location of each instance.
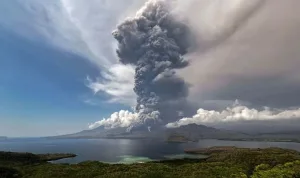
(216, 21)
(155, 42)
(258, 63)
(158, 37)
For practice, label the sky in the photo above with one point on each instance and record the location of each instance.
(46, 59)
(59, 72)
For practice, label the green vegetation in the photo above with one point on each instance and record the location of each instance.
(267, 139)
(290, 169)
(11, 158)
(177, 139)
(222, 162)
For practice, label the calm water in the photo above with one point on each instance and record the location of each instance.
(122, 150)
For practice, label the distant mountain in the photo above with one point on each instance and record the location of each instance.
(255, 127)
(101, 132)
(261, 131)
(191, 132)
(196, 132)
(267, 130)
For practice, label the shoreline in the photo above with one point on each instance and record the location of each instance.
(162, 139)
(33, 158)
(220, 139)
(221, 162)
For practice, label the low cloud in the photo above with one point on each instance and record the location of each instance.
(118, 119)
(126, 119)
(235, 113)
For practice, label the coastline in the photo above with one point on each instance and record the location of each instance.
(24, 157)
(171, 141)
(221, 162)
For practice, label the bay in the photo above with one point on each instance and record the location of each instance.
(124, 150)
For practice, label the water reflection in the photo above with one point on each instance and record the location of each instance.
(124, 150)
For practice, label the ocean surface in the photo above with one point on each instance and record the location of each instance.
(123, 150)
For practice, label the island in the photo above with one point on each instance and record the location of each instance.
(220, 162)
(177, 139)
(180, 139)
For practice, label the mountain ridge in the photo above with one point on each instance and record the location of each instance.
(190, 132)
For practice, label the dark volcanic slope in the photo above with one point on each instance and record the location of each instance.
(192, 131)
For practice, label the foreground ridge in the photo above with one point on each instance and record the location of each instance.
(221, 162)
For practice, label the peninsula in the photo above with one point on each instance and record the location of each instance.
(220, 162)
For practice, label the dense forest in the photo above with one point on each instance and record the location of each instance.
(220, 163)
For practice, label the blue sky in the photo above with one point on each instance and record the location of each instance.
(59, 72)
(42, 87)
(44, 65)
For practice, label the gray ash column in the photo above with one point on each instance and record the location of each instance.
(154, 42)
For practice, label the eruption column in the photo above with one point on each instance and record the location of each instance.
(154, 42)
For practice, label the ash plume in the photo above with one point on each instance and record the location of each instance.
(155, 42)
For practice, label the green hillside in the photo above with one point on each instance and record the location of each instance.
(222, 162)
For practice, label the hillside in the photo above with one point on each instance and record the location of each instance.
(196, 132)
(191, 132)
(186, 133)
(221, 162)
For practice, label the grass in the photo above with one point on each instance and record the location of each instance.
(229, 163)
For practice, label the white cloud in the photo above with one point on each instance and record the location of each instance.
(118, 83)
(77, 26)
(80, 27)
(234, 114)
(95, 21)
(49, 24)
(118, 119)
(126, 119)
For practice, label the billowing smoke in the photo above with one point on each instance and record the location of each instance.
(155, 42)
(215, 21)
(236, 113)
(117, 119)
